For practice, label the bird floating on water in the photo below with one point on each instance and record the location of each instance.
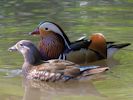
(51, 70)
(55, 44)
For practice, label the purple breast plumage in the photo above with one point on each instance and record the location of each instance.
(51, 46)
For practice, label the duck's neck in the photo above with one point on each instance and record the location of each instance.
(30, 60)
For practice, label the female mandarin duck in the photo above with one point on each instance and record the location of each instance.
(51, 70)
(55, 44)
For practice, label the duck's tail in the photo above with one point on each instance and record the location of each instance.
(90, 70)
(112, 48)
(119, 46)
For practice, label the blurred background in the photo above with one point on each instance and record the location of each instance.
(113, 18)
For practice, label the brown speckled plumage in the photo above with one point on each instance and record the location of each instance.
(54, 70)
(51, 70)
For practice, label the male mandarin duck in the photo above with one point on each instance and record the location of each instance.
(51, 70)
(55, 44)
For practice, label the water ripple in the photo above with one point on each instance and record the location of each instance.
(10, 73)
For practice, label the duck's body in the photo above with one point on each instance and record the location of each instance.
(51, 70)
(87, 51)
(94, 49)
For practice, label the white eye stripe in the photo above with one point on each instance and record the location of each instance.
(21, 45)
(51, 27)
(26, 47)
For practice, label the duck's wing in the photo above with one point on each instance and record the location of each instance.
(61, 70)
(84, 44)
(54, 70)
(81, 44)
(58, 64)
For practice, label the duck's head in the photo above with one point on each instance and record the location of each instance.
(98, 44)
(45, 28)
(28, 50)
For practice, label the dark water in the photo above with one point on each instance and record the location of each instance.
(113, 18)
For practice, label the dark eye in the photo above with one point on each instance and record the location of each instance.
(46, 28)
(21, 44)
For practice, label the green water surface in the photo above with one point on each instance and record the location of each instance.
(113, 18)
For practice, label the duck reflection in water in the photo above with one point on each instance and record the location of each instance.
(37, 90)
